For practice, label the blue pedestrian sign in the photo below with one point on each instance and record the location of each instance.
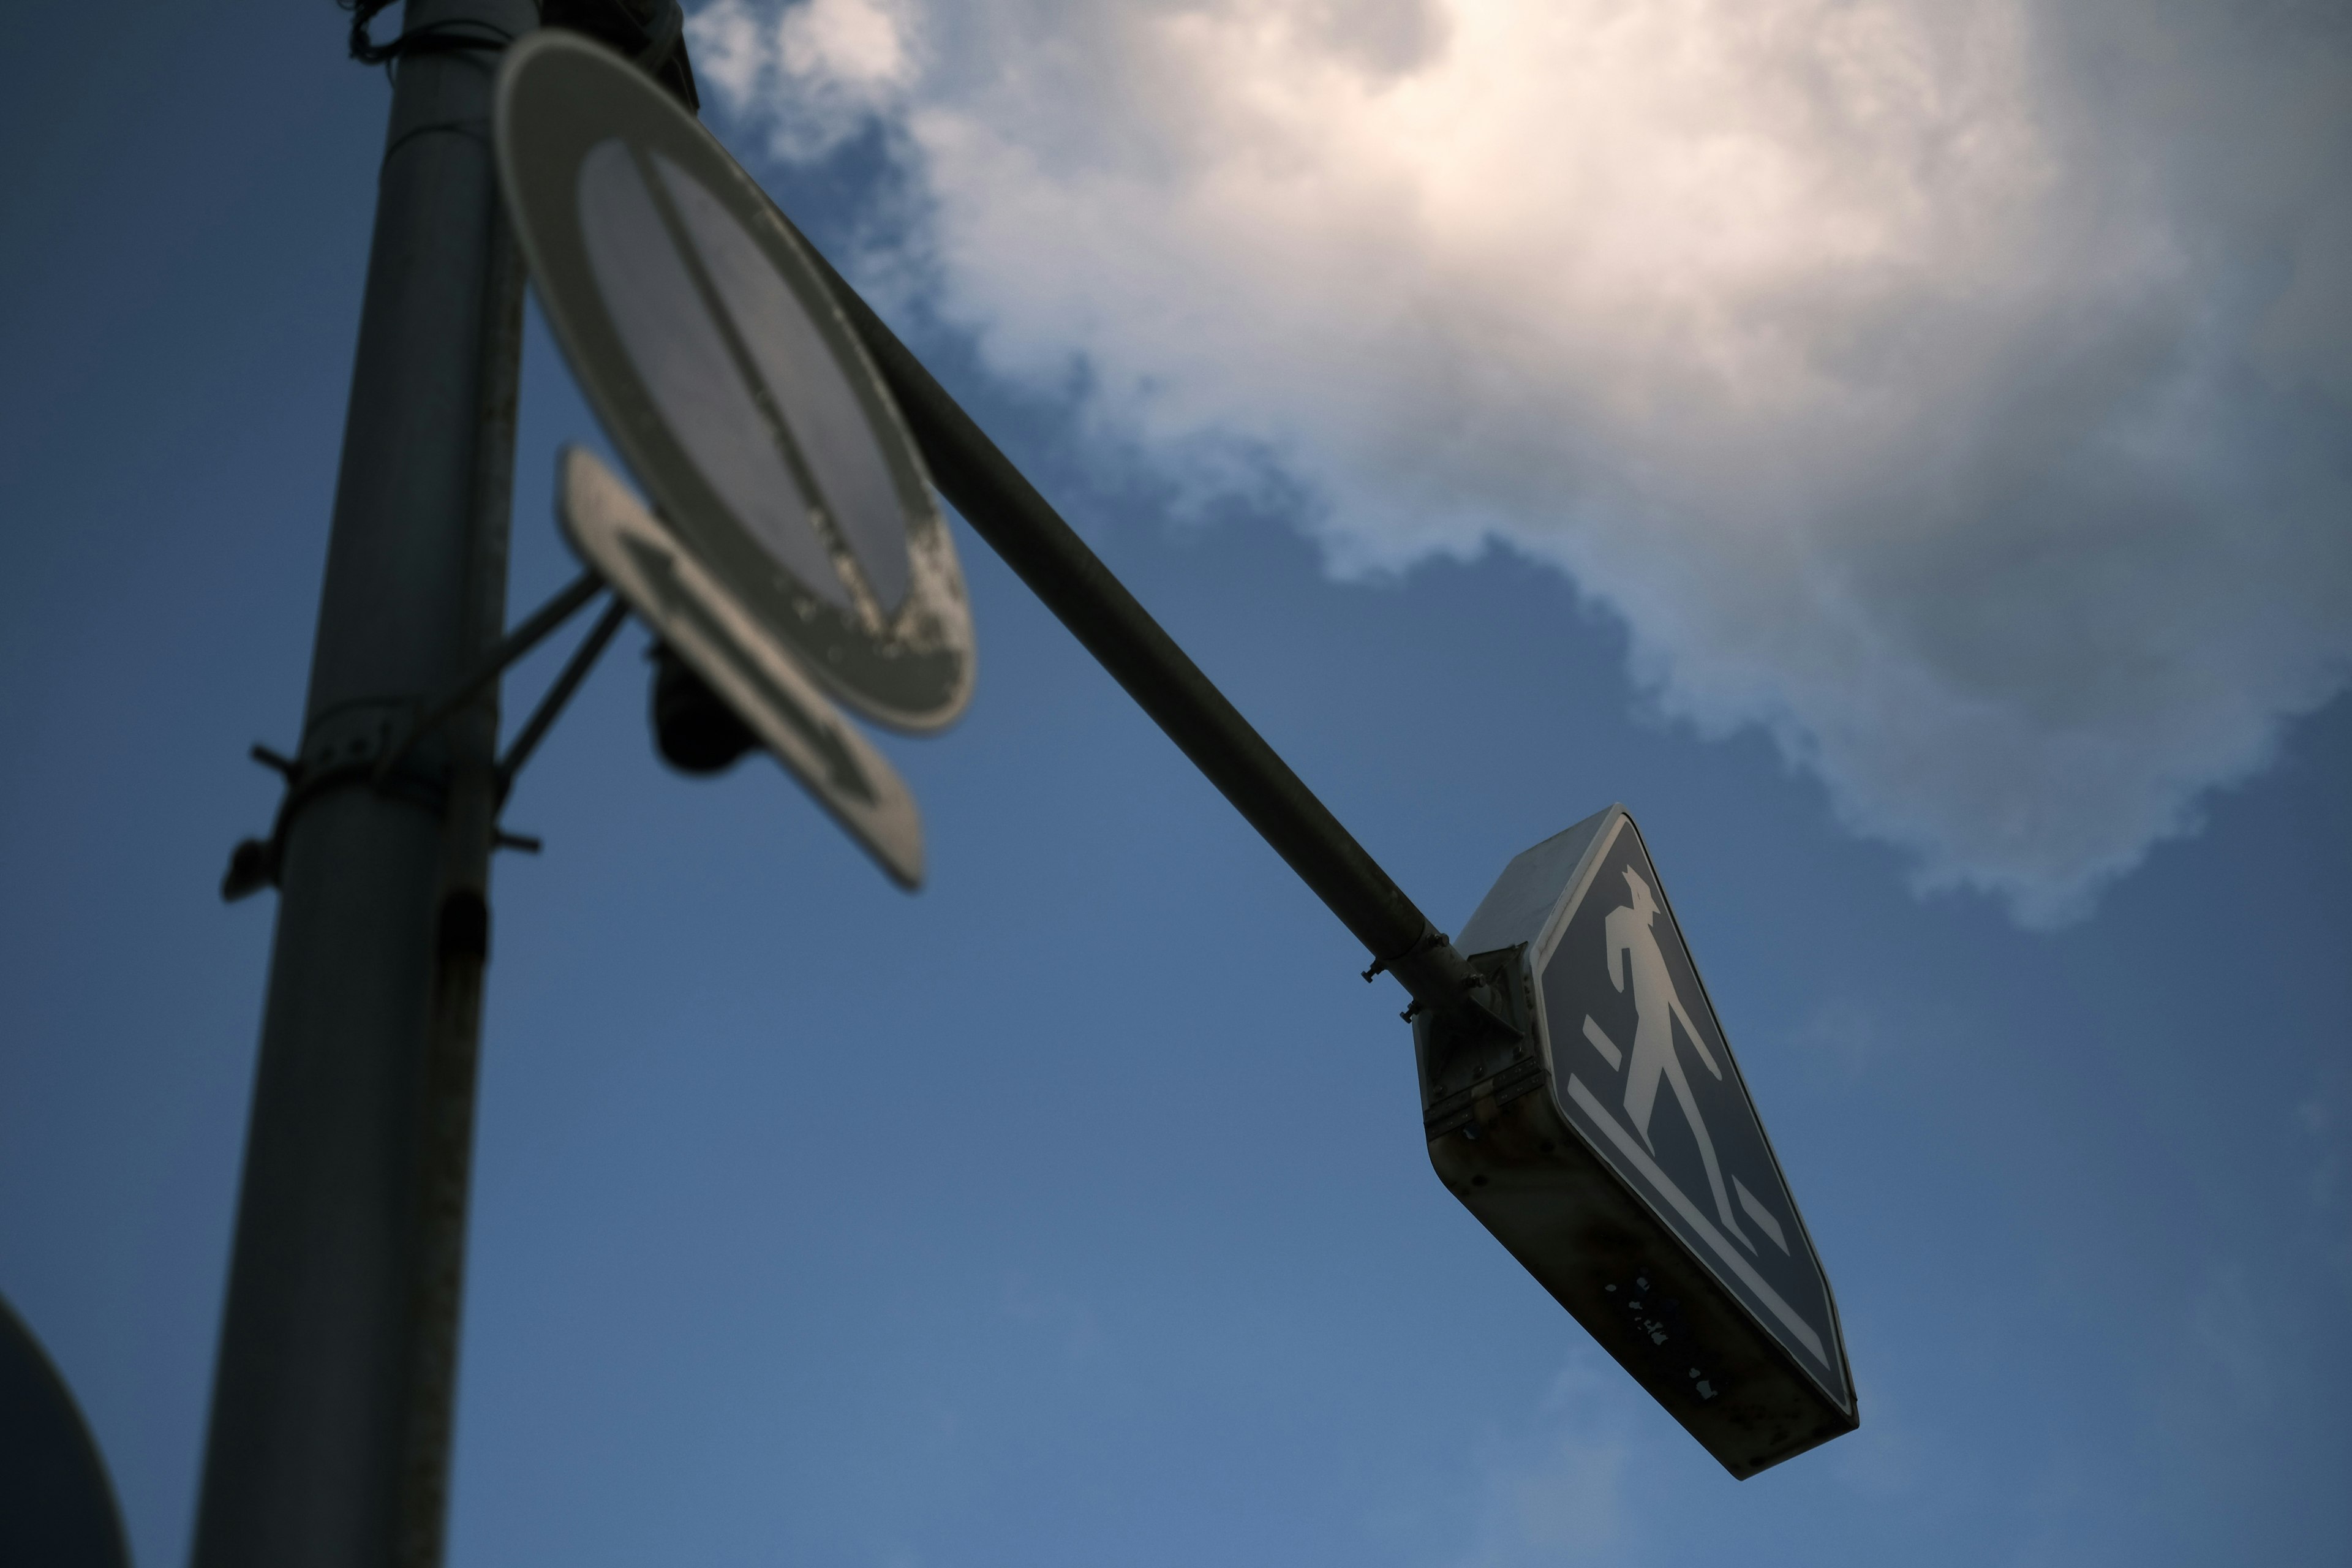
(1616, 1151)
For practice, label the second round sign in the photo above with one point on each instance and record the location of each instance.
(724, 372)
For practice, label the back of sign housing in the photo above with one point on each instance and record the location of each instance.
(1502, 1143)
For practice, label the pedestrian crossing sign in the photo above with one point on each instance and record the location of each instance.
(1616, 1151)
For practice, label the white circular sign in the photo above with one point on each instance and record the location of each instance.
(712, 351)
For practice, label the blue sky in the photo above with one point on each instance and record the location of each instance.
(1074, 1210)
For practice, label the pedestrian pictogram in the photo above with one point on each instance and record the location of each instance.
(1657, 1007)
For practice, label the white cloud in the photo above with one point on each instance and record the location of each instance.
(1562, 1505)
(1562, 1486)
(1958, 389)
(816, 71)
(1843, 1033)
(1068, 1320)
(2230, 1324)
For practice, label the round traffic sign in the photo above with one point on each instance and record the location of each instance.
(57, 1505)
(724, 371)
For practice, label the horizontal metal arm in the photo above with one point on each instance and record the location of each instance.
(1005, 509)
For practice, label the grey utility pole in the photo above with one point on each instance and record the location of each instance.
(333, 1398)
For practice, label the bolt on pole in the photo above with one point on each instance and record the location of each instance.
(333, 1394)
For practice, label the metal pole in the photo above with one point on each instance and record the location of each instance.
(1004, 508)
(333, 1394)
